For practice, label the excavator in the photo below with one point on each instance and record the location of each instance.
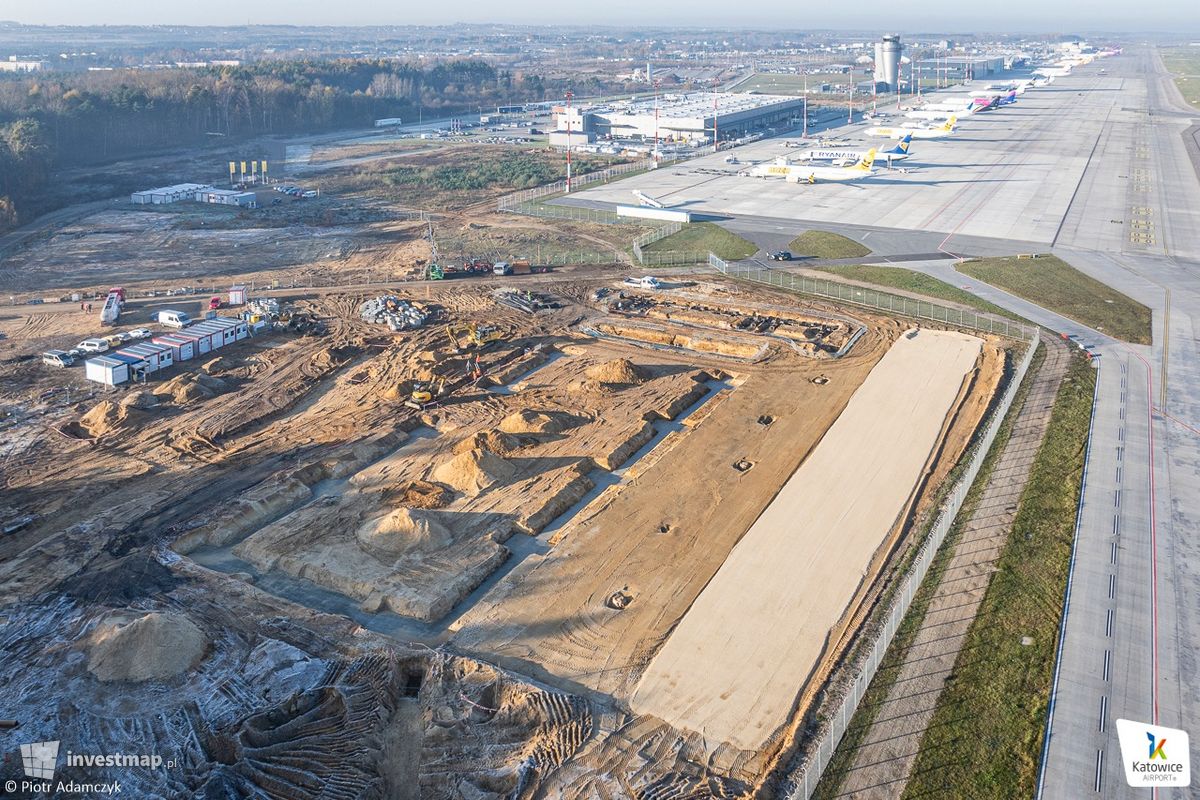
(476, 336)
(426, 393)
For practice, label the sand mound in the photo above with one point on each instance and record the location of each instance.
(218, 365)
(619, 371)
(105, 417)
(493, 441)
(529, 420)
(139, 399)
(391, 536)
(145, 647)
(419, 494)
(474, 471)
(188, 387)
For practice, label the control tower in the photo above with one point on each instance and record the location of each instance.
(887, 62)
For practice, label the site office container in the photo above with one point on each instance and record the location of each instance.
(182, 347)
(213, 335)
(234, 330)
(156, 356)
(113, 370)
(201, 342)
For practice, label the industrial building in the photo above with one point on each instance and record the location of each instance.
(887, 63)
(691, 117)
(14, 64)
(954, 69)
(168, 194)
(198, 192)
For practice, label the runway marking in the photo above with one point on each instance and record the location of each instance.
(1112, 558)
(1108, 621)
(1116, 525)
(1099, 768)
(1118, 473)
(1112, 586)
(1103, 710)
(1107, 662)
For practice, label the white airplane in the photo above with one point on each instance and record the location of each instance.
(935, 114)
(843, 156)
(917, 133)
(853, 172)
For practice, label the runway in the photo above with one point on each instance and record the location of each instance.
(1095, 170)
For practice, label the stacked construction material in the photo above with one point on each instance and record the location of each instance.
(397, 313)
(529, 302)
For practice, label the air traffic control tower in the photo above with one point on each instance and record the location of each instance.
(887, 62)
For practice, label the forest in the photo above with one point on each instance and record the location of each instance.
(77, 119)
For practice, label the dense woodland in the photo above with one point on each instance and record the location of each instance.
(73, 119)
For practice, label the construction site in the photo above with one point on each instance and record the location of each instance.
(526, 536)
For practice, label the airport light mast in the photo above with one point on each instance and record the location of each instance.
(805, 132)
(656, 84)
(569, 95)
(716, 146)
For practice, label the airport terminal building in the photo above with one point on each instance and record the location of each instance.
(690, 117)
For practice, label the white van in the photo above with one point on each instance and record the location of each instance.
(94, 345)
(57, 358)
(173, 319)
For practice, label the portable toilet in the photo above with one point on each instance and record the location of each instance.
(182, 348)
(237, 295)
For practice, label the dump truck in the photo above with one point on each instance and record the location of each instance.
(518, 267)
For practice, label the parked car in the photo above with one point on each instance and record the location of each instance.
(141, 333)
(125, 336)
(57, 358)
(114, 340)
(94, 345)
(782, 255)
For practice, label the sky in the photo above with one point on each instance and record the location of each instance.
(899, 15)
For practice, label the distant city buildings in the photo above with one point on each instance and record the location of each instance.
(14, 64)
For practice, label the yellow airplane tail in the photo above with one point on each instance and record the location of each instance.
(864, 164)
(950, 123)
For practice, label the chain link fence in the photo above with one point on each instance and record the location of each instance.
(876, 299)
(803, 780)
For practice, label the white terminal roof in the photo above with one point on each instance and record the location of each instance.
(695, 104)
(176, 189)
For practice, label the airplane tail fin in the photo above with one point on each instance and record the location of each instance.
(950, 123)
(904, 143)
(864, 164)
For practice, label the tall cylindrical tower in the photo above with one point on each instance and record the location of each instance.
(889, 67)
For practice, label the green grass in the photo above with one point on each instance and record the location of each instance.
(1055, 285)
(985, 738)
(1184, 64)
(889, 669)
(823, 244)
(705, 237)
(916, 282)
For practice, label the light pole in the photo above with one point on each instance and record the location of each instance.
(656, 84)
(569, 95)
(805, 132)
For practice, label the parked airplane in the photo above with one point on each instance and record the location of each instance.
(842, 156)
(916, 133)
(853, 172)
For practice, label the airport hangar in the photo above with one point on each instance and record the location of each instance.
(689, 117)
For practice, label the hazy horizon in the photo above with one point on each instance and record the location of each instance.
(937, 15)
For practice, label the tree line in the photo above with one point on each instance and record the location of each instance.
(73, 119)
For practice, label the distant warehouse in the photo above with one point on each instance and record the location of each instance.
(197, 192)
(692, 117)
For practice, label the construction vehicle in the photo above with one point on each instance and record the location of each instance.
(426, 394)
(476, 335)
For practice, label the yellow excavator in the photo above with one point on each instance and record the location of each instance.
(425, 394)
(475, 335)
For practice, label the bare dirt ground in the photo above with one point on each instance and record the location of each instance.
(268, 565)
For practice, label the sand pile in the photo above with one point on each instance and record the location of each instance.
(419, 494)
(218, 365)
(529, 420)
(474, 471)
(496, 442)
(619, 372)
(401, 531)
(188, 387)
(105, 417)
(143, 647)
(139, 399)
